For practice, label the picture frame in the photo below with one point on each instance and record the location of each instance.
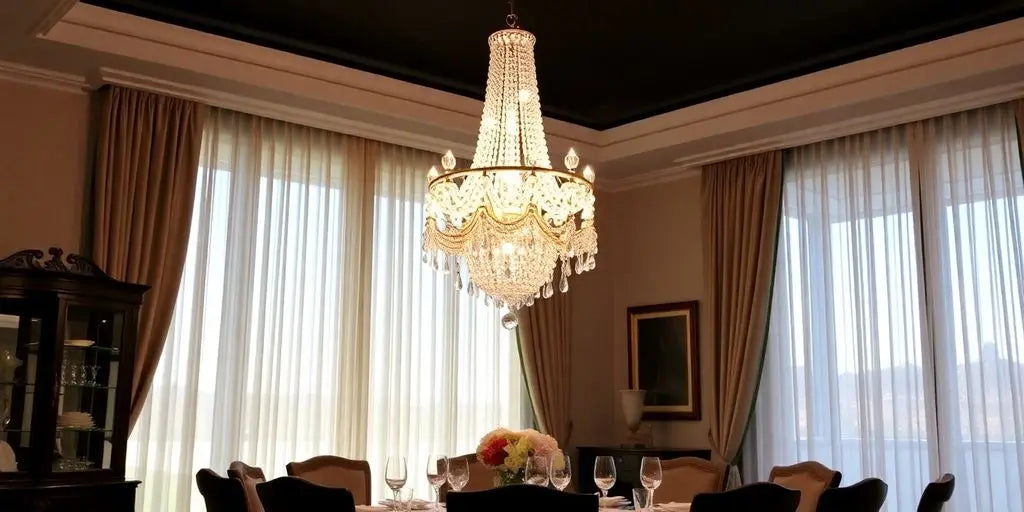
(664, 359)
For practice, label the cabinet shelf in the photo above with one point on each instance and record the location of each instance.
(33, 348)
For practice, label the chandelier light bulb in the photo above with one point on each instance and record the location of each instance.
(448, 161)
(572, 160)
(588, 173)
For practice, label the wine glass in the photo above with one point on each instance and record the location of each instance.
(604, 473)
(458, 473)
(395, 475)
(437, 472)
(650, 474)
(537, 471)
(560, 472)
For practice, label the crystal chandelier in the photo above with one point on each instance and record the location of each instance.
(510, 218)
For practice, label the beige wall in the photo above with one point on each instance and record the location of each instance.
(650, 253)
(43, 167)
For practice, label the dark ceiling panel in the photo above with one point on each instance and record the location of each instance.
(601, 63)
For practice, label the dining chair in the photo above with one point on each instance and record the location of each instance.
(249, 476)
(292, 494)
(480, 478)
(936, 494)
(760, 497)
(220, 494)
(331, 471)
(811, 478)
(685, 477)
(516, 498)
(868, 495)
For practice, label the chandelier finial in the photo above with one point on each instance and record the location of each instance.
(448, 161)
(572, 160)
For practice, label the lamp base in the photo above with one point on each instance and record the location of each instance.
(642, 438)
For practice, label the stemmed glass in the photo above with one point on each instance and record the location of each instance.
(561, 471)
(537, 471)
(650, 474)
(395, 475)
(437, 472)
(458, 473)
(604, 474)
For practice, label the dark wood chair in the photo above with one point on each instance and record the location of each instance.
(292, 494)
(936, 494)
(249, 476)
(810, 478)
(762, 497)
(220, 494)
(331, 471)
(868, 495)
(516, 498)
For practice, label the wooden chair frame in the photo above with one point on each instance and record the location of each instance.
(323, 461)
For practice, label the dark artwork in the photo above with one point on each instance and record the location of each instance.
(663, 359)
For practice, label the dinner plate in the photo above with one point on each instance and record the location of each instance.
(82, 343)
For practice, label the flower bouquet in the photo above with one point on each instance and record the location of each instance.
(505, 452)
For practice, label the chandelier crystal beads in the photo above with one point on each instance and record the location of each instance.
(511, 219)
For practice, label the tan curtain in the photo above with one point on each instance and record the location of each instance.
(1019, 105)
(146, 168)
(741, 200)
(544, 340)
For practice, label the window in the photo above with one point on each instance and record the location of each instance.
(306, 324)
(897, 300)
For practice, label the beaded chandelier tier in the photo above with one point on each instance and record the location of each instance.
(510, 218)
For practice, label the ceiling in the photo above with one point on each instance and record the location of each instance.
(601, 63)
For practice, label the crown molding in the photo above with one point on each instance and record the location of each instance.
(968, 70)
(309, 80)
(307, 117)
(648, 178)
(40, 77)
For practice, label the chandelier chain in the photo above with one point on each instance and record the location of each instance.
(512, 19)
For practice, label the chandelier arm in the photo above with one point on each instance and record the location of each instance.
(558, 173)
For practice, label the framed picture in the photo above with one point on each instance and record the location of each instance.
(664, 359)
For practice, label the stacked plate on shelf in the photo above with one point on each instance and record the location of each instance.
(74, 419)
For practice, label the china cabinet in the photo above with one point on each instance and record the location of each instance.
(67, 340)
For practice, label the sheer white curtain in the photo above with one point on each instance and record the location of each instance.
(264, 361)
(973, 200)
(444, 371)
(843, 381)
(896, 347)
(306, 323)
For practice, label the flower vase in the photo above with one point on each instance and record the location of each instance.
(506, 478)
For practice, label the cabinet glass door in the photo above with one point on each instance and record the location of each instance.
(20, 332)
(88, 388)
